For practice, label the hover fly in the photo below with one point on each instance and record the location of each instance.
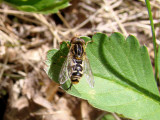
(76, 64)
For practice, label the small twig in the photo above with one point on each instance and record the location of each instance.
(87, 20)
(100, 116)
(64, 21)
(4, 36)
(13, 12)
(54, 43)
(51, 27)
(114, 28)
(115, 17)
(35, 44)
(27, 19)
(53, 113)
(87, 7)
(115, 116)
(116, 3)
(138, 25)
(3, 68)
(83, 23)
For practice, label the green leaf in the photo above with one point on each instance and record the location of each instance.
(159, 61)
(55, 60)
(39, 6)
(124, 80)
(108, 117)
(50, 54)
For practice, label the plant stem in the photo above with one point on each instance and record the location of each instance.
(154, 38)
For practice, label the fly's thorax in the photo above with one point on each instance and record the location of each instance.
(77, 51)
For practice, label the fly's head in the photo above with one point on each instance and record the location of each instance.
(77, 40)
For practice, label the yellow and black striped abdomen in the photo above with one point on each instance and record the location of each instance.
(77, 72)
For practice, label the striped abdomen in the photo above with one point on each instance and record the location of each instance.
(77, 71)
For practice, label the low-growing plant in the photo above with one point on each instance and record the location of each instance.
(124, 79)
(39, 6)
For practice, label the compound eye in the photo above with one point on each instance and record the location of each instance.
(73, 39)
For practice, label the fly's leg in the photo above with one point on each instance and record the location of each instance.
(69, 87)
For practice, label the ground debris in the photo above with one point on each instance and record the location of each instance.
(25, 39)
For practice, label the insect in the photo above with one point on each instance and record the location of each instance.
(76, 64)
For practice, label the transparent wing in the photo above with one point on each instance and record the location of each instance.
(65, 72)
(88, 72)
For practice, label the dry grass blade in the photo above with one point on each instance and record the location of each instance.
(116, 117)
(3, 66)
(51, 27)
(115, 16)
